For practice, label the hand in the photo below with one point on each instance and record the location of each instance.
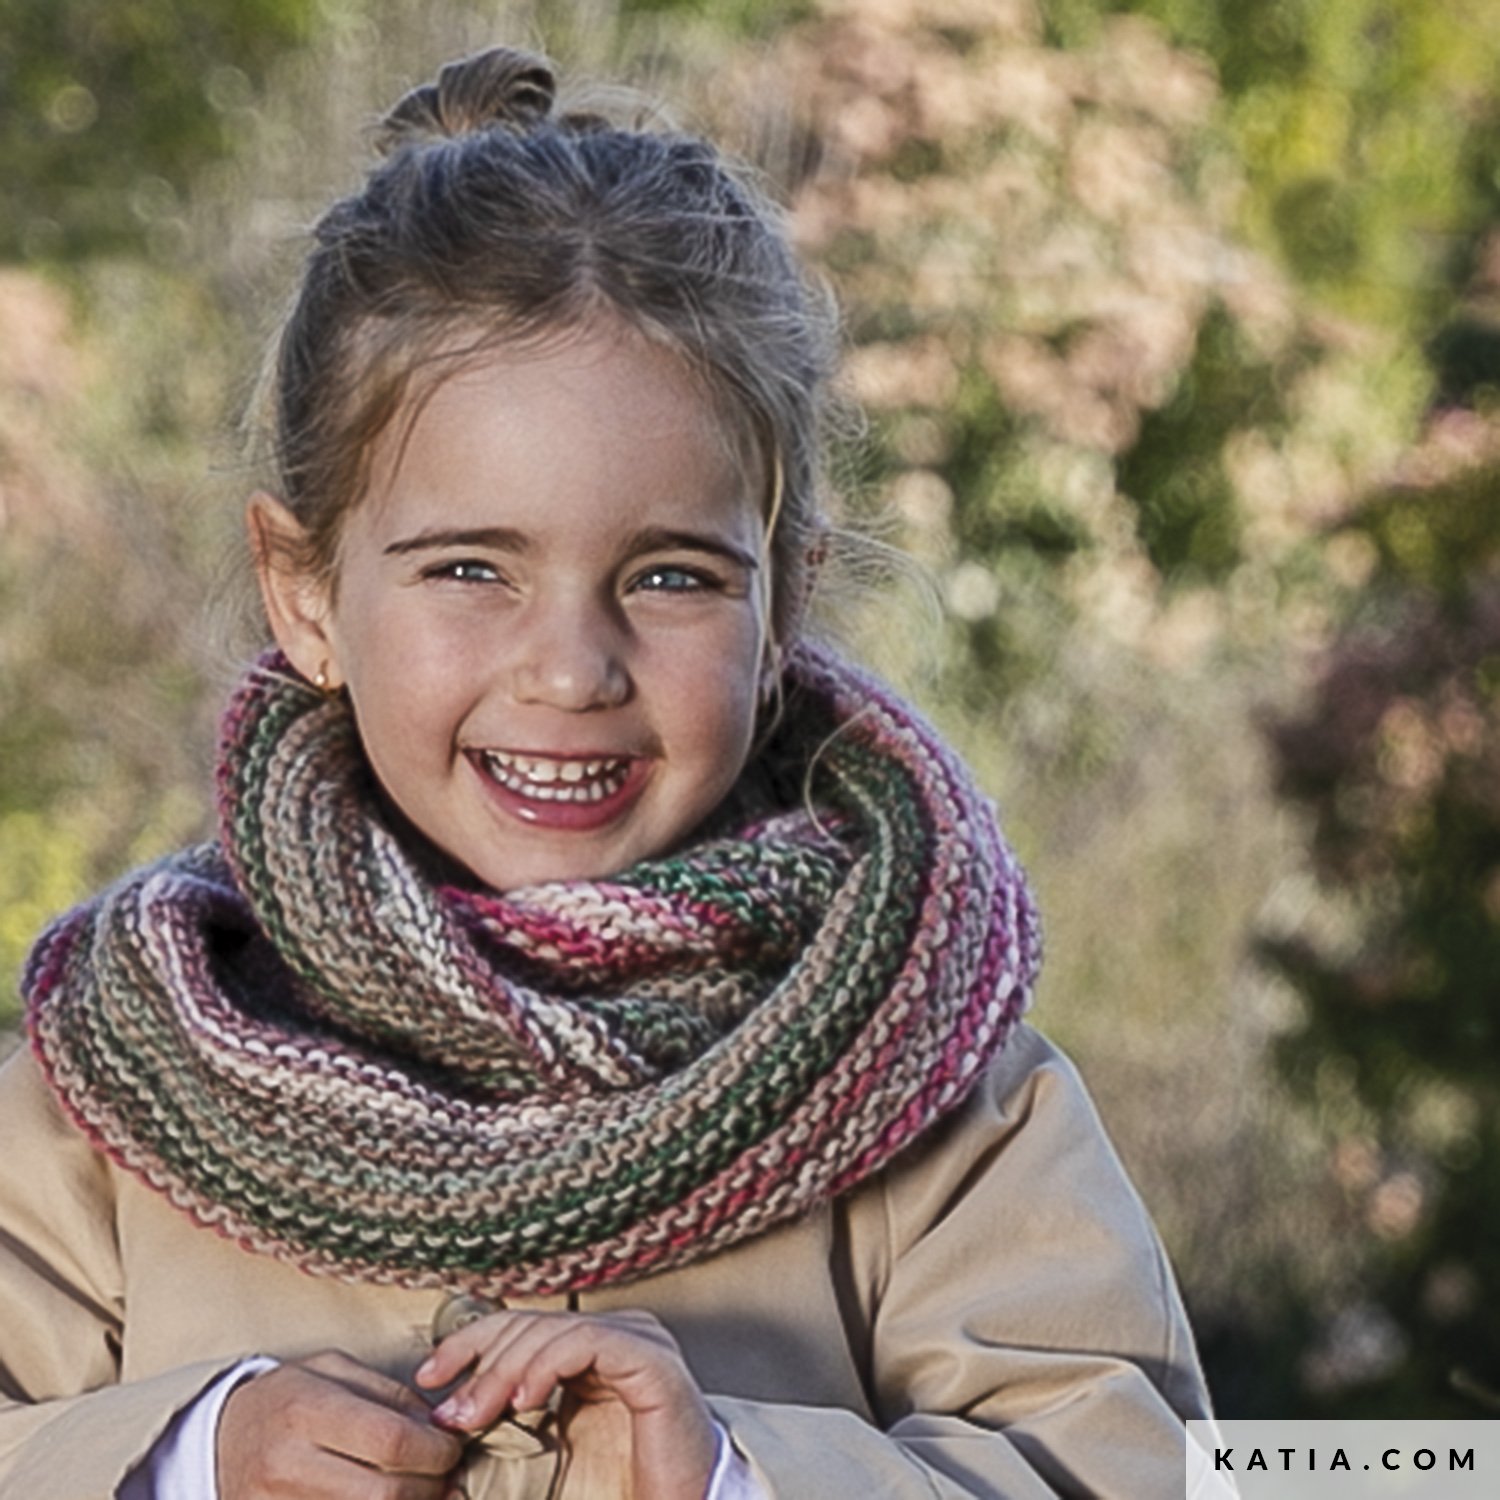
(623, 1362)
(330, 1428)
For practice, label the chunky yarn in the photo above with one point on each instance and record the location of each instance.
(309, 1041)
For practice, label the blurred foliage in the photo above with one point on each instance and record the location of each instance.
(1395, 752)
(108, 111)
(103, 577)
(755, 17)
(1148, 303)
(45, 869)
(1368, 133)
(1396, 757)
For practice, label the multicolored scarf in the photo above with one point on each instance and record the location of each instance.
(311, 1043)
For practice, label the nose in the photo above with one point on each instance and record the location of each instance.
(570, 655)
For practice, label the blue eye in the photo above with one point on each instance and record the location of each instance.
(671, 580)
(464, 570)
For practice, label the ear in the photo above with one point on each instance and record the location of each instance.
(298, 604)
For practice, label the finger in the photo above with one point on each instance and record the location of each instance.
(286, 1468)
(360, 1379)
(467, 1345)
(297, 1433)
(482, 1342)
(347, 1409)
(573, 1356)
(603, 1356)
(390, 1441)
(474, 1340)
(593, 1355)
(486, 1389)
(327, 1476)
(316, 1474)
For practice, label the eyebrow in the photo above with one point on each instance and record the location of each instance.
(664, 539)
(508, 539)
(501, 538)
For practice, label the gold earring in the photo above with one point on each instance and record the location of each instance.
(770, 673)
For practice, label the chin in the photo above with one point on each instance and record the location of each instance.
(503, 875)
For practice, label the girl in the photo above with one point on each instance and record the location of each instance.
(589, 1060)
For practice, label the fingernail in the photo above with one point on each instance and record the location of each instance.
(424, 1370)
(453, 1412)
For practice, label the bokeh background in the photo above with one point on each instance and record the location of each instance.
(1177, 327)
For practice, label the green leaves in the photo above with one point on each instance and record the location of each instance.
(107, 111)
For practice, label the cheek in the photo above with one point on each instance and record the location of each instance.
(391, 644)
(712, 688)
(410, 688)
(722, 663)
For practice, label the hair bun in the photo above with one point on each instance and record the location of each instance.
(502, 86)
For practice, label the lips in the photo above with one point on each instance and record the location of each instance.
(568, 792)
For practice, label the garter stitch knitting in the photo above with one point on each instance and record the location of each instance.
(307, 1041)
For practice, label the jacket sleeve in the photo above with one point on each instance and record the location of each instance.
(1022, 1334)
(69, 1430)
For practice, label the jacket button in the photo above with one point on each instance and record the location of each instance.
(458, 1311)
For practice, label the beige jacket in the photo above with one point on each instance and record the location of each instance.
(990, 1316)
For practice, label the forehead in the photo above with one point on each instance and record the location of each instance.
(599, 416)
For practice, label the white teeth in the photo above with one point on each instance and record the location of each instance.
(557, 780)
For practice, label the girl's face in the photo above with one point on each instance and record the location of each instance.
(545, 611)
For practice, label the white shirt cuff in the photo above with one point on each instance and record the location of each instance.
(732, 1478)
(182, 1463)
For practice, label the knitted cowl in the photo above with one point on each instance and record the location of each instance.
(311, 1043)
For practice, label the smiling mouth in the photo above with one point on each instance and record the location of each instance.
(544, 779)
